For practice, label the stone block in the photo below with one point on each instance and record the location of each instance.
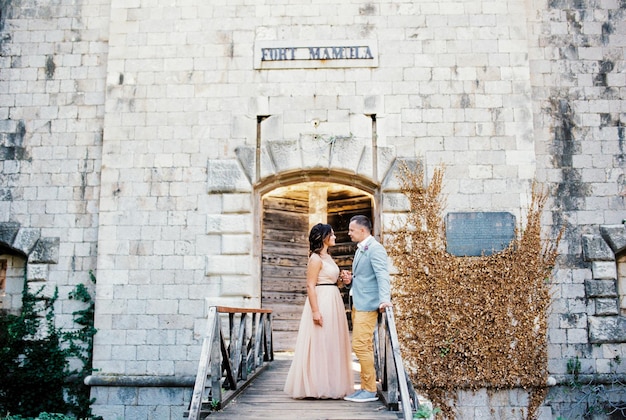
(137, 412)
(365, 166)
(386, 158)
(391, 221)
(607, 329)
(46, 251)
(46, 290)
(236, 244)
(236, 286)
(606, 306)
(390, 126)
(576, 336)
(162, 306)
(267, 165)
(26, 239)
(579, 275)
(8, 232)
(246, 155)
(225, 175)
(603, 366)
(392, 179)
(615, 236)
(373, 104)
(568, 320)
(604, 270)
(572, 291)
(286, 155)
(464, 412)
(591, 306)
(259, 105)
(37, 272)
(229, 223)
(163, 367)
(485, 412)
(236, 203)
(107, 411)
(243, 128)
(600, 288)
(273, 127)
(228, 264)
(596, 249)
(578, 303)
(499, 398)
(345, 152)
(554, 351)
(395, 202)
(157, 396)
(543, 413)
(478, 398)
(360, 126)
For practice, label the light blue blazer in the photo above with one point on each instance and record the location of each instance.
(370, 277)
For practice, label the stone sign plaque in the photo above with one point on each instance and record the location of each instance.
(478, 233)
(288, 54)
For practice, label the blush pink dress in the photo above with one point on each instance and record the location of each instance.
(322, 362)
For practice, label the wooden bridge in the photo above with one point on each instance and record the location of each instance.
(240, 377)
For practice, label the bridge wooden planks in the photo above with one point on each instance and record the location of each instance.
(264, 399)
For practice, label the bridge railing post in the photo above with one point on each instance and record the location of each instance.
(230, 361)
(395, 385)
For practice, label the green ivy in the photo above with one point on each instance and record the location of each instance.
(35, 374)
(80, 346)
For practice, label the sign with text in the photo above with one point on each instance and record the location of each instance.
(473, 234)
(315, 54)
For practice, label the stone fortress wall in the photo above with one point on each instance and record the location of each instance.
(135, 136)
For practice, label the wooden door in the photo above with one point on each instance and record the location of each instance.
(284, 260)
(342, 205)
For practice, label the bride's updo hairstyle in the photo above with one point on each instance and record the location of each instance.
(319, 232)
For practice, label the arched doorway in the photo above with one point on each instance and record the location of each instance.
(288, 214)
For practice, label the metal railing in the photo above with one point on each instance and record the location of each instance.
(229, 362)
(395, 387)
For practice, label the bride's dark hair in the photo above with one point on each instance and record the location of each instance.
(319, 232)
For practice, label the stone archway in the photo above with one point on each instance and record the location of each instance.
(28, 244)
(288, 213)
(357, 162)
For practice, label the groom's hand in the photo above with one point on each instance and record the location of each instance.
(346, 277)
(384, 305)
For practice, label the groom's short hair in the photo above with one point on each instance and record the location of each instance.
(361, 220)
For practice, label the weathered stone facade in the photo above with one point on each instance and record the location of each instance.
(138, 137)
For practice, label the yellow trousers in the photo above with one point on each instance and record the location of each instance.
(363, 326)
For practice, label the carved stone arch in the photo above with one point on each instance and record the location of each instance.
(311, 154)
(335, 176)
(605, 253)
(28, 243)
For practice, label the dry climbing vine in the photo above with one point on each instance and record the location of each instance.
(469, 322)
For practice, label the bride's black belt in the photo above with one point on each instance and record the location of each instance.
(327, 284)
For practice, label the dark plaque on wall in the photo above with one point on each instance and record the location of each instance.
(478, 233)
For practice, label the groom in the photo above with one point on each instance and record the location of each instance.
(370, 290)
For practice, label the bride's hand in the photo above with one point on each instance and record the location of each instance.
(317, 318)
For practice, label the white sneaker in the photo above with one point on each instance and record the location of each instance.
(352, 396)
(362, 396)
